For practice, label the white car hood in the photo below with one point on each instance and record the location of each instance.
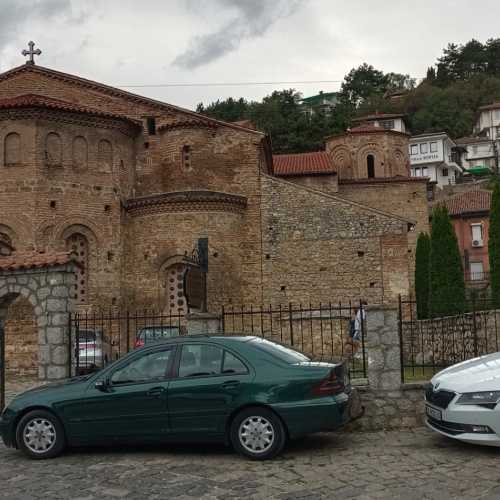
(473, 375)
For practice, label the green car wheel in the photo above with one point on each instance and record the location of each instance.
(40, 435)
(257, 433)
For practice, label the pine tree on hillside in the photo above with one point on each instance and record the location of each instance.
(422, 275)
(494, 245)
(447, 284)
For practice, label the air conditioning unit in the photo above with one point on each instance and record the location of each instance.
(477, 243)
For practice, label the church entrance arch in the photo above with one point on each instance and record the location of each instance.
(42, 284)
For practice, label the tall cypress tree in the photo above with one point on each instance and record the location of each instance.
(422, 256)
(494, 245)
(447, 284)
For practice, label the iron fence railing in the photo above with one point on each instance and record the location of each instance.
(324, 331)
(431, 344)
(99, 338)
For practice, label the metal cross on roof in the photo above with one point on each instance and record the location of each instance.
(31, 52)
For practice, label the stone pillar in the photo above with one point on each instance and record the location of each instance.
(203, 323)
(382, 348)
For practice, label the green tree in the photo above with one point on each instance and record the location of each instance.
(229, 110)
(447, 285)
(422, 257)
(494, 245)
(361, 83)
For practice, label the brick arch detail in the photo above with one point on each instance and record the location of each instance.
(370, 149)
(20, 229)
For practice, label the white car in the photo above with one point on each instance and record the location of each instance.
(461, 401)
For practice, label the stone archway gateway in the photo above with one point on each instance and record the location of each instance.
(45, 280)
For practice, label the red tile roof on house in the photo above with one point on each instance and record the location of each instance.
(469, 203)
(38, 101)
(495, 105)
(378, 116)
(18, 260)
(316, 163)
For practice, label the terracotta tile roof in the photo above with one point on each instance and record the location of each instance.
(315, 163)
(39, 101)
(378, 116)
(471, 140)
(33, 260)
(495, 105)
(113, 91)
(470, 202)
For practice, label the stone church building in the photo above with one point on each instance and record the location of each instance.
(130, 184)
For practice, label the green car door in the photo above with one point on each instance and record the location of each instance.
(209, 382)
(129, 401)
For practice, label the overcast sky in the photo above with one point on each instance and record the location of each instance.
(154, 42)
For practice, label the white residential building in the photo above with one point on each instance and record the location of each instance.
(389, 121)
(432, 155)
(476, 153)
(488, 122)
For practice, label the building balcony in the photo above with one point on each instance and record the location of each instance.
(477, 278)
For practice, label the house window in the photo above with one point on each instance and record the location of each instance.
(476, 271)
(12, 149)
(444, 172)
(186, 157)
(474, 149)
(425, 171)
(414, 149)
(498, 132)
(417, 172)
(477, 234)
(434, 147)
(387, 124)
(151, 122)
(370, 164)
(5, 244)
(423, 148)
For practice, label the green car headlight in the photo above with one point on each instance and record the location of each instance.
(479, 398)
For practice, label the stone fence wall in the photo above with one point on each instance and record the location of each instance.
(388, 403)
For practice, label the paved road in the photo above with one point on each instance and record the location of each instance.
(407, 465)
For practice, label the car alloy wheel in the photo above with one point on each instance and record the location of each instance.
(256, 434)
(39, 435)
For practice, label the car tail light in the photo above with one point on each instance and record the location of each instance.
(139, 343)
(331, 385)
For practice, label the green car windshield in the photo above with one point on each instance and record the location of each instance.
(282, 352)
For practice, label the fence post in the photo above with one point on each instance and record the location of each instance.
(383, 349)
(2, 366)
(474, 325)
(290, 319)
(400, 331)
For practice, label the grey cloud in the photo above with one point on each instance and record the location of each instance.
(16, 14)
(253, 18)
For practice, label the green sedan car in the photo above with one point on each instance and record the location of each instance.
(245, 391)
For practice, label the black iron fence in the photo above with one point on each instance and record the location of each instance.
(324, 331)
(429, 345)
(99, 338)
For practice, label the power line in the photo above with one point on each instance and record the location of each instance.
(234, 84)
(229, 84)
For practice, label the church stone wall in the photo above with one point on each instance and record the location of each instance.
(405, 198)
(319, 247)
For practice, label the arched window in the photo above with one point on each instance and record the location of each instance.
(80, 153)
(105, 156)
(186, 157)
(78, 244)
(174, 288)
(5, 244)
(370, 165)
(12, 149)
(53, 150)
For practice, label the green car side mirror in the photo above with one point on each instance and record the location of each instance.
(102, 385)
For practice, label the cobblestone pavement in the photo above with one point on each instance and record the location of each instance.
(408, 465)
